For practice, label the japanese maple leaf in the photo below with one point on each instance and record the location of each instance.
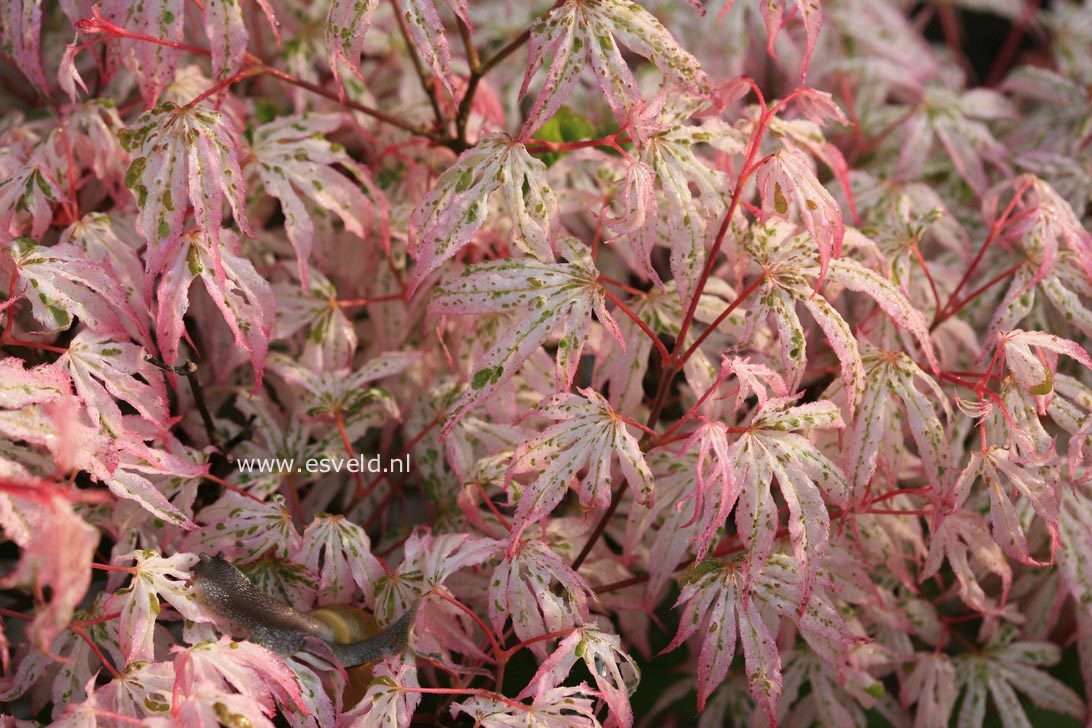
(246, 529)
(21, 387)
(932, 684)
(228, 35)
(31, 191)
(1001, 473)
(245, 668)
(1035, 370)
(147, 474)
(960, 536)
(38, 409)
(154, 577)
(668, 529)
(560, 707)
(102, 369)
(1003, 668)
(386, 703)
(183, 156)
(153, 64)
(520, 589)
(889, 378)
(1042, 224)
(1075, 531)
(587, 33)
(20, 39)
(62, 284)
(715, 486)
(243, 296)
(615, 673)
(811, 14)
(295, 163)
(958, 121)
(143, 690)
(770, 448)
(788, 263)
(730, 599)
(345, 553)
(588, 433)
(548, 299)
(431, 560)
(836, 698)
(426, 29)
(203, 704)
(675, 217)
(56, 550)
(346, 23)
(787, 177)
(457, 205)
(331, 339)
(343, 393)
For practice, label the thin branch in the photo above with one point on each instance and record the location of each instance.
(374, 113)
(189, 370)
(615, 499)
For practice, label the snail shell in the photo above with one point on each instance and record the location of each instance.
(350, 624)
(346, 622)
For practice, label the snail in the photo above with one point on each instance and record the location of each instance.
(227, 594)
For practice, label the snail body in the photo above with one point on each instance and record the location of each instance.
(235, 601)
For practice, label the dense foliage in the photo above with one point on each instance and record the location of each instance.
(738, 351)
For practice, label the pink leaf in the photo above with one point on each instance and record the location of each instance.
(344, 550)
(346, 24)
(787, 177)
(227, 36)
(576, 34)
(427, 32)
(66, 284)
(555, 298)
(31, 190)
(183, 156)
(562, 707)
(154, 577)
(246, 529)
(521, 589)
(153, 64)
(294, 163)
(238, 667)
(588, 433)
(811, 13)
(614, 671)
(56, 550)
(244, 298)
(457, 205)
(20, 39)
(102, 369)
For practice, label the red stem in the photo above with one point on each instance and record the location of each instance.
(719, 319)
(665, 356)
(95, 648)
(995, 229)
(233, 488)
(497, 651)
